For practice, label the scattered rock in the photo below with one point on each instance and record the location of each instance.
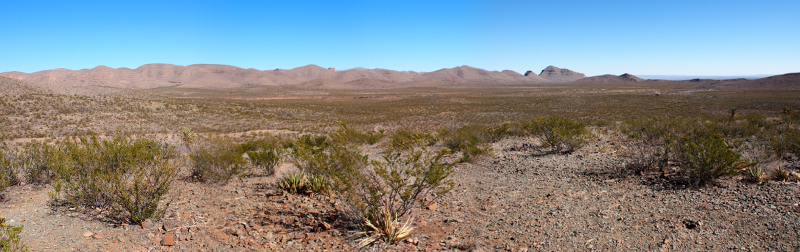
(432, 206)
(96, 236)
(169, 240)
(87, 234)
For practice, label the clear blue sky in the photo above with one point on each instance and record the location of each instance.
(594, 37)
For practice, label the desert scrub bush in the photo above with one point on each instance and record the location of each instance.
(349, 134)
(404, 139)
(129, 177)
(40, 161)
(9, 237)
(8, 175)
(559, 134)
(218, 162)
(471, 141)
(707, 157)
(785, 141)
(264, 154)
(396, 184)
(376, 194)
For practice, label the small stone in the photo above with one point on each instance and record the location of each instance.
(96, 236)
(219, 235)
(87, 234)
(432, 206)
(169, 240)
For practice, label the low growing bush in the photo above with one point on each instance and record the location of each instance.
(218, 163)
(129, 177)
(8, 176)
(707, 156)
(377, 194)
(559, 134)
(471, 141)
(9, 237)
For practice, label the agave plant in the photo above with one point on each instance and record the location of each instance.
(293, 183)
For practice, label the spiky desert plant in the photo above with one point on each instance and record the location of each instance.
(386, 227)
(292, 182)
(756, 174)
(316, 184)
(187, 136)
(781, 174)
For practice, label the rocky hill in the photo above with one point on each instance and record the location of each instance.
(612, 78)
(560, 75)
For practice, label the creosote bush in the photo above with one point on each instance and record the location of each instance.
(349, 134)
(127, 176)
(471, 140)
(559, 134)
(376, 194)
(218, 162)
(707, 157)
(8, 176)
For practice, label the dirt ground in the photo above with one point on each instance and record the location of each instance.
(511, 201)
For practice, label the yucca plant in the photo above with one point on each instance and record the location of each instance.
(756, 174)
(781, 174)
(386, 227)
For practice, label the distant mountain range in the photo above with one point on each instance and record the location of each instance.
(708, 77)
(311, 76)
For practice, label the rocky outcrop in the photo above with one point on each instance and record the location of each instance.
(560, 75)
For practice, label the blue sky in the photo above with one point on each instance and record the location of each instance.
(594, 37)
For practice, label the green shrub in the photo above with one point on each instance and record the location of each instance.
(559, 134)
(787, 141)
(707, 156)
(347, 134)
(405, 139)
(471, 141)
(264, 154)
(8, 176)
(370, 190)
(265, 160)
(218, 163)
(40, 162)
(9, 237)
(130, 177)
